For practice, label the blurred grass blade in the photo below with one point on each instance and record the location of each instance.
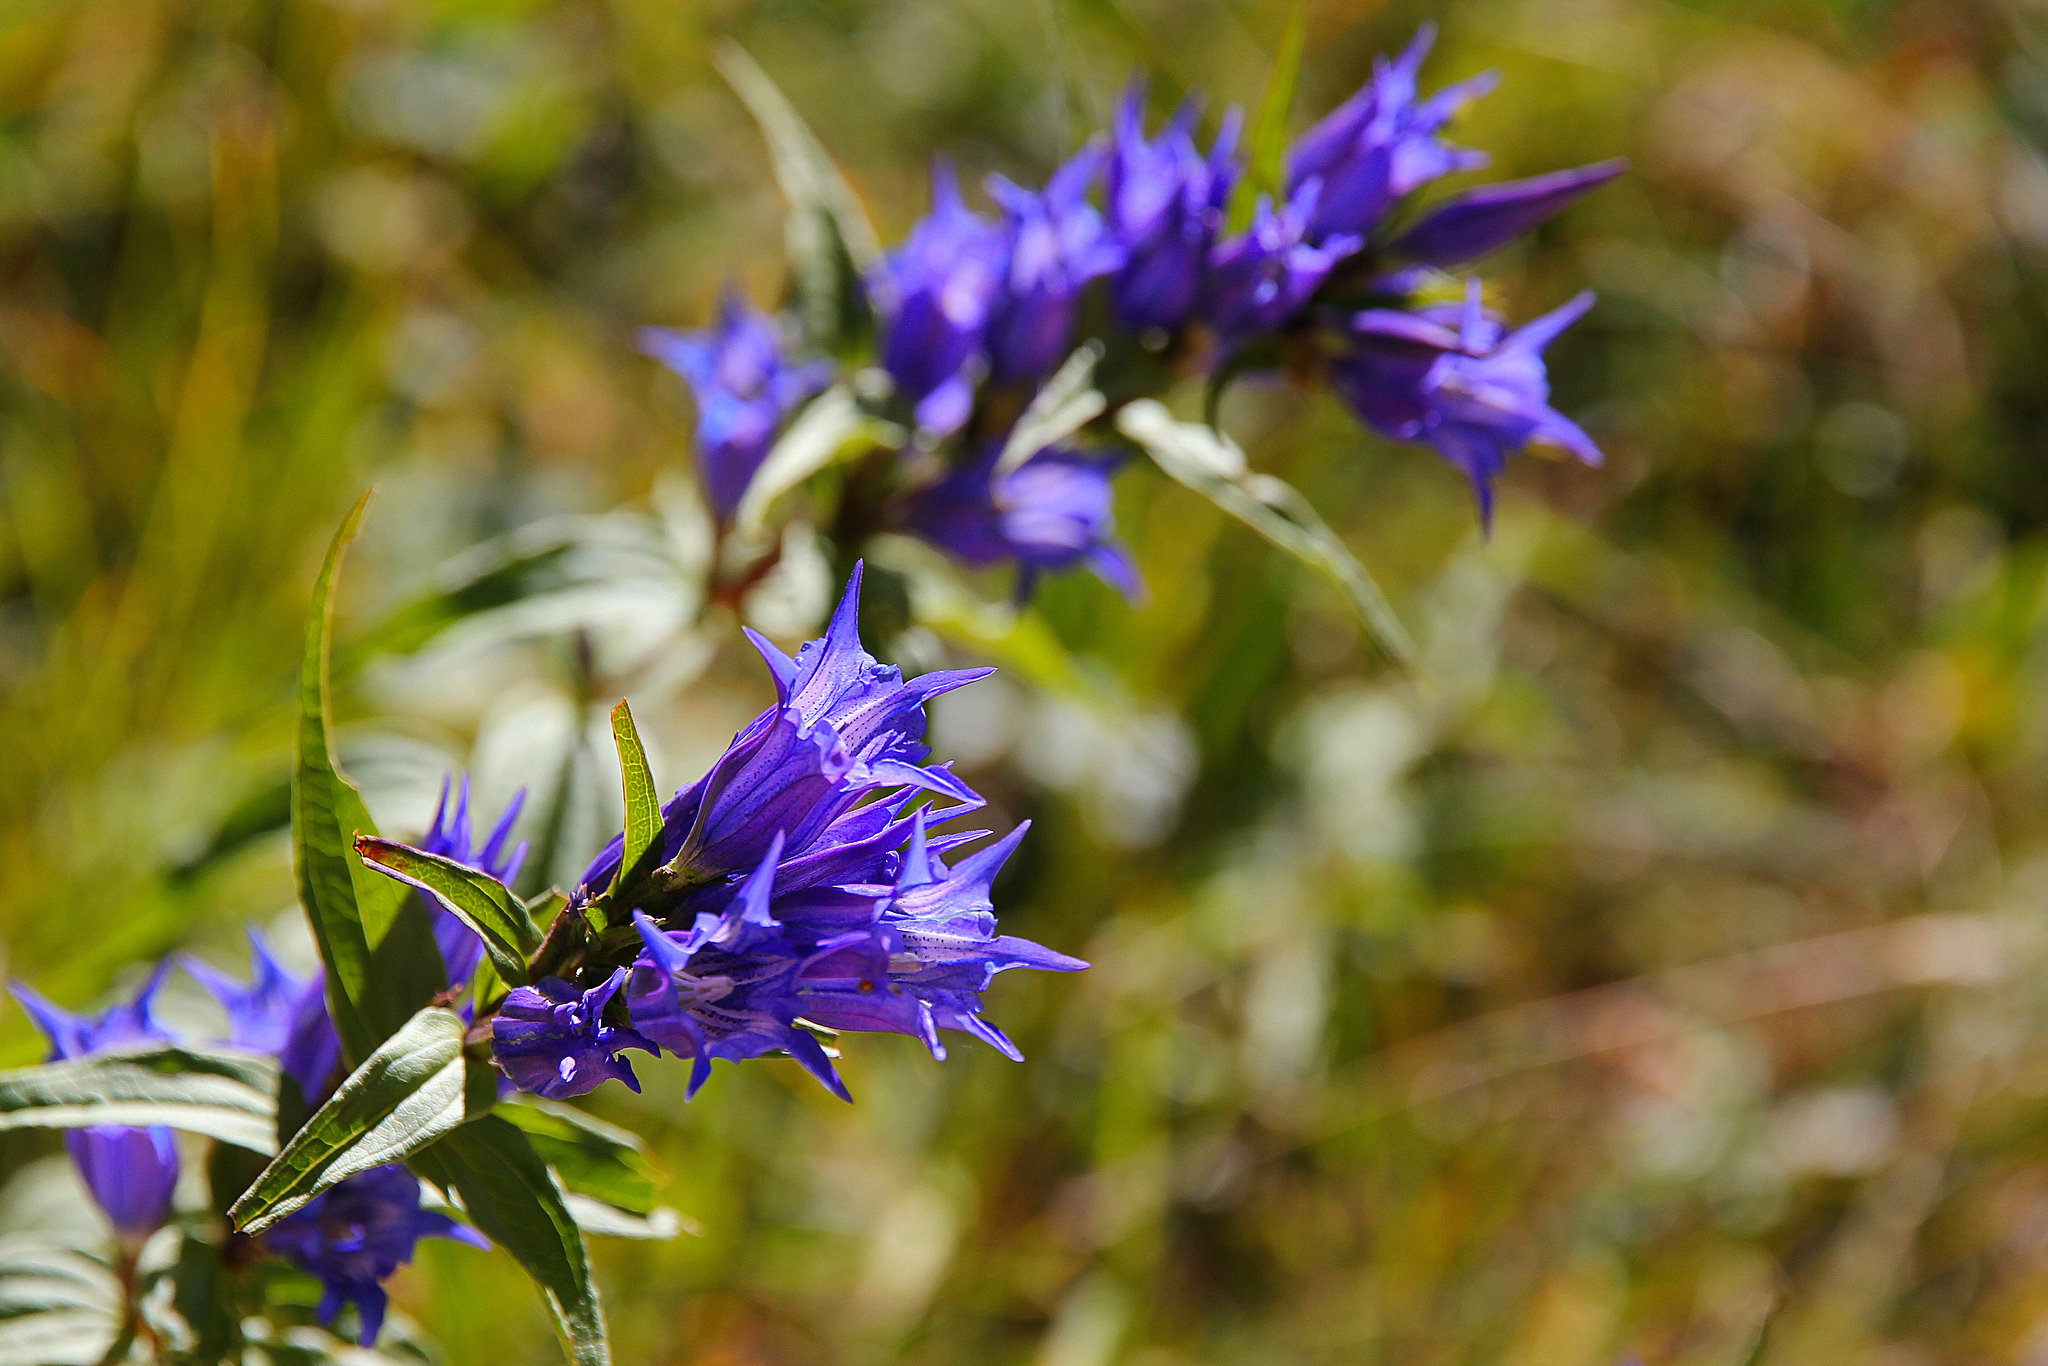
(830, 429)
(643, 801)
(609, 1221)
(374, 937)
(474, 897)
(1266, 154)
(1062, 406)
(592, 1157)
(223, 1094)
(405, 1095)
(830, 241)
(514, 1200)
(1211, 464)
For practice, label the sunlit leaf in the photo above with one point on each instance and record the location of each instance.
(473, 896)
(1211, 464)
(643, 801)
(831, 428)
(829, 240)
(224, 1094)
(405, 1095)
(510, 1195)
(592, 1157)
(374, 937)
(1062, 406)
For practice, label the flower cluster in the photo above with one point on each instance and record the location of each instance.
(794, 890)
(1330, 274)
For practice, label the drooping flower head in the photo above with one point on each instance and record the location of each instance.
(450, 837)
(1053, 512)
(934, 294)
(356, 1234)
(745, 385)
(1381, 144)
(131, 1172)
(279, 1013)
(1053, 244)
(1475, 394)
(1166, 205)
(552, 1039)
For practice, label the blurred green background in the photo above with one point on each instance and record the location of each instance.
(1655, 972)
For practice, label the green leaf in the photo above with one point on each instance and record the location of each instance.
(829, 240)
(592, 1157)
(643, 802)
(514, 1200)
(830, 429)
(1062, 406)
(471, 895)
(223, 1094)
(1211, 464)
(374, 936)
(61, 1337)
(1266, 152)
(406, 1094)
(607, 1220)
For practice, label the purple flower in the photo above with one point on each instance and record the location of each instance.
(1053, 245)
(1473, 224)
(277, 1013)
(934, 294)
(355, 1235)
(1165, 206)
(449, 836)
(722, 988)
(1054, 511)
(1263, 277)
(745, 385)
(1474, 394)
(552, 1040)
(929, 954)
(846, 728)
(1380, 144)
(131, 1172)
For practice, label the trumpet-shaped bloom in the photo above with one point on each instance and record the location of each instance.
(1381, 144)
(450, 837)
(745, 385)
(930, 952)
(279, 1013)
(1053, 512)
(1054, 243)
(131, 1172)
(1475, 394)
(552, 1039)
(1166, 205)
(934, 294)
(356, 1234)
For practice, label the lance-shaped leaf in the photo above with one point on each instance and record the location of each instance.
(643, 802)
(514, 1200)
(471, 895)
(406, 1094)
(1265, 171)
(1063, 405)
(829, 240)
(830, 429)
(1211, 464)
(221, 1093)
(592, 1157)
(375, 939)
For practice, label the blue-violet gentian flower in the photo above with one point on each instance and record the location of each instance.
(278, 1013)
(934, 294)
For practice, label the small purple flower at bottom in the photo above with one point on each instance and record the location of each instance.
(552, 1040)
(1055, 511)
(131, 1172)
(356, 1235)
(1475, 394)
